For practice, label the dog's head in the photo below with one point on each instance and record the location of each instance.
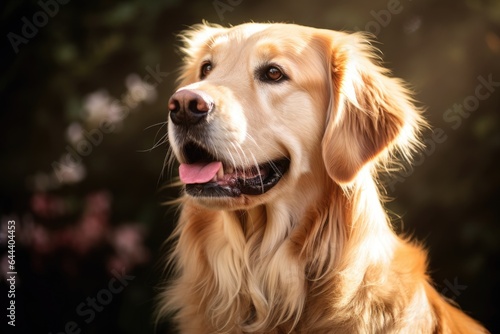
(262, 108)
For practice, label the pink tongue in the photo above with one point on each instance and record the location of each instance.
(199, 172)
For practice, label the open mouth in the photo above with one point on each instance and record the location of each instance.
(204, 175)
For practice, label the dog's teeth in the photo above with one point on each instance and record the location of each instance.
(229, 170)
(220, 173)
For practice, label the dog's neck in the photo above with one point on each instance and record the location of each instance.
(265, 256)
(343, 209)
(348, 215)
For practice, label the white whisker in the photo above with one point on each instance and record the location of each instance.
(157, 124)
(168, 162)
(258, 171)
(270, 144)
(233, 161)
(163, 140)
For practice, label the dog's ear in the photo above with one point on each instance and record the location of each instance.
(195, 42)
(369, 112)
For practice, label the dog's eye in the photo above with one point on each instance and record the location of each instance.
(272, 74)
(206, 68)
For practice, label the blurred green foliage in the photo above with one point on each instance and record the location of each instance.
(449, 200)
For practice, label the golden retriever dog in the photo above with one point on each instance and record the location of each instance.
(280, 131)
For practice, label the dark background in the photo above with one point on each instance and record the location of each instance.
(103, 217)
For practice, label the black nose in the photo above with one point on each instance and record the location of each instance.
(188, 107)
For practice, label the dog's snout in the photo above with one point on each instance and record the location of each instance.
(188, 107)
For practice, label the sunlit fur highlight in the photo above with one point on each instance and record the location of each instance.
(317, 253)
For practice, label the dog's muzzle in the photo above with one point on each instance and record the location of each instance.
(204, 174)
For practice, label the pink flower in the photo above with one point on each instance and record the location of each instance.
(47, 206)
(89, 233)
(41, 240)
(98, 203)
(128, 242)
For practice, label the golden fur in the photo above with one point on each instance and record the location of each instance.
(315, 254)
